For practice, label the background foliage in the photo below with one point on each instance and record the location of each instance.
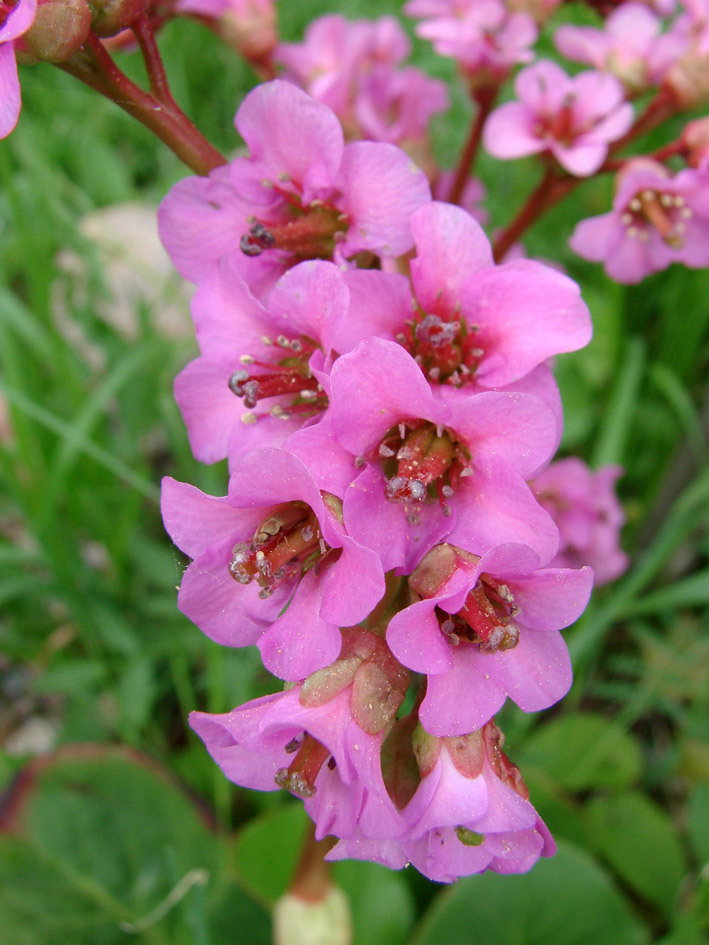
(98, 663)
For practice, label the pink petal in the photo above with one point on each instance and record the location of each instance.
(382, 187)
(509, 133)
(291, 135)
(9, 89)
(450, 247)
(551, 599)
(196, 521)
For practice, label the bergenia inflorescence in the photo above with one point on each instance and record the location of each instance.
(379, 541)
(396, 536)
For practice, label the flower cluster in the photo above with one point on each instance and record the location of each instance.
(382, 392)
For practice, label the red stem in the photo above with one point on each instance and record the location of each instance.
(143, 30)
(312, 875)
(484, 98)
(93, 66)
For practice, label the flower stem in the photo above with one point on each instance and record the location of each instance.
(312, 875)
(484, 98)
(157, 110)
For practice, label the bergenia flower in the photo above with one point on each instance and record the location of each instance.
(474, 324)
(630, 46)
(304, 193)
(16, 17)
(573, 118)
(470, 812)
(484, 37)
(486, 628)
(321, 740)
(274, 540)
(657, 219)
(257, 379)
(588, 515)
(433, 468)
(336, 52)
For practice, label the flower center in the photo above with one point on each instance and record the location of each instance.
(446, 349)
(311, 233)
(417, 454)
(288, 375)
(486, 617)
(299, 777)
(285, 545)
(666, 213)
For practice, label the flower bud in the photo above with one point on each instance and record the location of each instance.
(112, 16)
(688, 79)
(325, 921)
(250, 27)
(58, 30)
(695, 140)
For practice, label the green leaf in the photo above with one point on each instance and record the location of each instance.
(638, 840)
(583, 751)
(567, 900)
(382, 903)
(268, 848)
(698, 823)
(106, 849)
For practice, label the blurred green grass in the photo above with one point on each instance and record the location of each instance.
(91, 638)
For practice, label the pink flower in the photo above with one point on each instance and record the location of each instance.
(321, 740)
(470, 812)
(588, 515)
(482, 35)
(472, 454)
(396, 105)
(16, 17)
(656, 220)
(274, 540)
(336, 52)
(300, 194)
(573, 118)
(474, 325)
(258, 377)
(629, 46)
(501, 638)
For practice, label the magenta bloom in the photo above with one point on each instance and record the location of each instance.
(475, 325)
(273, 541)
(500, 636)
(573, 118)
(588, 515)
(321, 740)
(656, 220)
(257, 379)
(482, 35)
(300, 194)
(435, 468)
(16, 17)
(471, 812)
(630, 45)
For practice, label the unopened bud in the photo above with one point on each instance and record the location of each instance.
(688, 80)
(250, 27)
(695, 139)
(325, 921)
(59, 29)
(111, 16)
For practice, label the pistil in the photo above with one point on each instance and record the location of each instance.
(299, 777)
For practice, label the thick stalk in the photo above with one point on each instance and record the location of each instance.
(312, 875)
(93, 66)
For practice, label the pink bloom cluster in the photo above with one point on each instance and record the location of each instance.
(355, 67)
(382, 419)
(485, 37)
